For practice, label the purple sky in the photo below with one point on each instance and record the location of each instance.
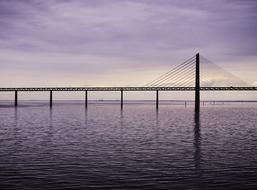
(121, 42)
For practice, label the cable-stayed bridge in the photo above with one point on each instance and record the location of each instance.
(187, 76)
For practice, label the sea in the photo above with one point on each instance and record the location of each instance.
(104, 146)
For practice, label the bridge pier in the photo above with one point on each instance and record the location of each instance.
(51, 98)
(157, 99)
(86, 98)
(197, 83)
(16, 98)
(121, 98)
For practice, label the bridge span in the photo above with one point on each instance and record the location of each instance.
(121, 89)
(231, 88)
(129, 89)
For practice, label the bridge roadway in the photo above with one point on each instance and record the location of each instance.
(129, 89)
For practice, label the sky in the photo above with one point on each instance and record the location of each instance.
(121, 42)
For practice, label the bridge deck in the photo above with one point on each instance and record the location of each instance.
(129, 89)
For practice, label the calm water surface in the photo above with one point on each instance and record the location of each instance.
(69, 147)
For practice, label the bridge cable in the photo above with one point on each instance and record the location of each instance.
(172, 70)
(180, 79)
(174, 75)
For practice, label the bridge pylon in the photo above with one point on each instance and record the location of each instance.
(197, 83)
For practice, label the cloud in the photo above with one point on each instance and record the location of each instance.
(125, 27)
(129, 34)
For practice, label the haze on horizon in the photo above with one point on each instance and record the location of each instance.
(121, 43)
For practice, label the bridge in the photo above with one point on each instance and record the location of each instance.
(130, 89)
(184, 77)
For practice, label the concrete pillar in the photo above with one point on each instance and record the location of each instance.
(16, 98)
(121, 98)
(157, 99)
(86, 98)
(51, 98)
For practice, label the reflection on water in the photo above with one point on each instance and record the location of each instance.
(105, 147)
(197, 141)
(50, 116)
(197, 147)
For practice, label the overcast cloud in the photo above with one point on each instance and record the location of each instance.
(113, 38)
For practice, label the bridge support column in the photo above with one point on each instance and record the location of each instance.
(157, 99)
(121, 98)
(197, 84)
(16, 98)
(51, 98)
(86, 98)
